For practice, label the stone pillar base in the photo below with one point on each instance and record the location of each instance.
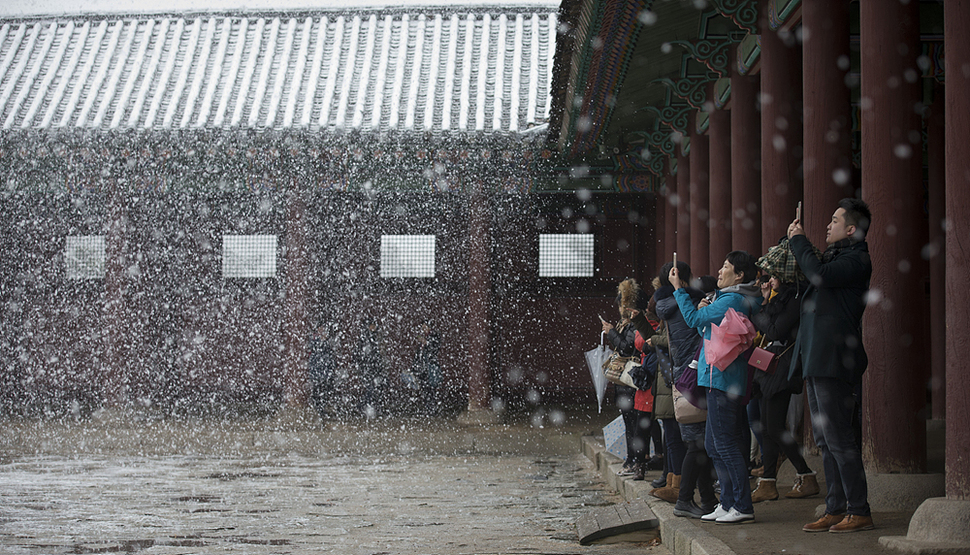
(939, 526)
(903, 492)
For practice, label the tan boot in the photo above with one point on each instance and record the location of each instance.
(806, 485)
(767, 490)
(670, 480)
(671, 492)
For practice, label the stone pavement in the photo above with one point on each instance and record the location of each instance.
(295, 484)
(126, 483)
(777, 529)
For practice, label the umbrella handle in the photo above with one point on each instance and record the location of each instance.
(602, 338)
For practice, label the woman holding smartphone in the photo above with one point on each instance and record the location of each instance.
(724, 437)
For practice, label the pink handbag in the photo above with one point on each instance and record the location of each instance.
(763, 359)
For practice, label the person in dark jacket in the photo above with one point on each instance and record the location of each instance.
(370, 363)
(322, 369)
(682, 342)
(622, 338)
(829, 353)
(697, 470)
(427, 369)
(778, 324)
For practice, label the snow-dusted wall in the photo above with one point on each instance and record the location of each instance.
(416, 70)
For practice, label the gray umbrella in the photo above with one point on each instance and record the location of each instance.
(595, 359)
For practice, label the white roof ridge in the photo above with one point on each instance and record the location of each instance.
(441, 72)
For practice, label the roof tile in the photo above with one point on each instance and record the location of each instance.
(383, 70)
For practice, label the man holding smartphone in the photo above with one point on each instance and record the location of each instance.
(829, 353)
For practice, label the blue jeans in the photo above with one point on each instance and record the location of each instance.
(724, 442)
(832, 403)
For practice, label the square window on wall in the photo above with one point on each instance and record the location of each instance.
(566, 255)
(249, 256)
(407, 256)
(84, 256)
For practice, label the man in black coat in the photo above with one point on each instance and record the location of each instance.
(829, 352)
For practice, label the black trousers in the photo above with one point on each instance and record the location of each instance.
(697, 472)
(775, 436)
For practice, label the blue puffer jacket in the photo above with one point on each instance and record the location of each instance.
(745, 299)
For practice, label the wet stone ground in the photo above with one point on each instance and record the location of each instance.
(450, 497)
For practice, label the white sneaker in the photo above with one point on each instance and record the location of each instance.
(718, 513)
(735, 517)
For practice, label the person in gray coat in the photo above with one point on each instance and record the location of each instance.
(829, 353)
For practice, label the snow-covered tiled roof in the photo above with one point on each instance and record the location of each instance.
(379, 70)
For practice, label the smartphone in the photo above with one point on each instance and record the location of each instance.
(798, 211)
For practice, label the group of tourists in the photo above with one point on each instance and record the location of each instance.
(370, 394)
(806, 306)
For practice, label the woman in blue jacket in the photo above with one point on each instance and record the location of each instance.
(738, 289)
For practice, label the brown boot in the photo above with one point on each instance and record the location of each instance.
(767, 490)
(806, 485)
(670, 480)
(853, 523)
(671, 492)
(823, 524)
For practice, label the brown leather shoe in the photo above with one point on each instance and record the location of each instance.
(853, 523)
(823, 524)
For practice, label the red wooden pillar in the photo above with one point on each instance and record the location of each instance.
(700, 200)
(745, 162)
(479, 285)
(781, 132)
(956, 15)
(660, 224)
(936, 206)
(894, 427)
(116, 333)
(827, 112)
(719, 131)
(670, 206)
(296, 329)
(943, 520)
(683, 205)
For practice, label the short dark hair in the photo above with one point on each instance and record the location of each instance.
(857, 213)
(743, 263)
(682, 268)
(707, 284)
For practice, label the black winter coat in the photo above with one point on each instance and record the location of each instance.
(684, 340)
(778, 323)
(624, 344)
(829, 341)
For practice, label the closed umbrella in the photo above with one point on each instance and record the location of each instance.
(595, 359)
(729, 339)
